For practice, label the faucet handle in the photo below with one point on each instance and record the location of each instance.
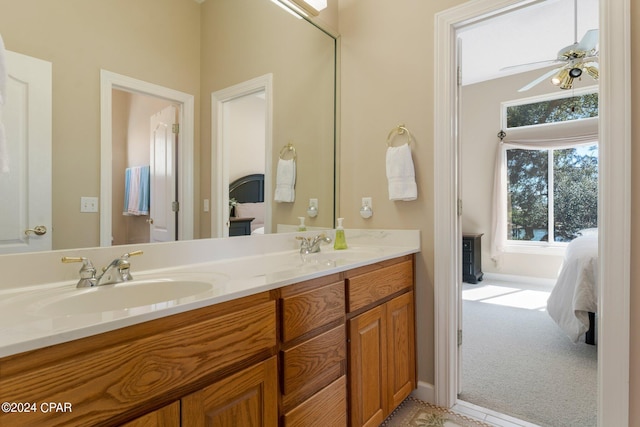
(124, 266)
(87, 271)
(130, 254)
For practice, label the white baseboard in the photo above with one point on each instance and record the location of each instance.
(425, 392)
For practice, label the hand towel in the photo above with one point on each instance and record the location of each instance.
(285, 181)
(136, 191)
(401, 174)
(4, 152)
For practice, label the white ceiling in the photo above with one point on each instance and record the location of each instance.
(530, 34)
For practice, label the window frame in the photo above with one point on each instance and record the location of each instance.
(549, 247)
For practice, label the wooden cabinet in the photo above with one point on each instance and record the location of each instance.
(247, 398)
(125, 374)
(313, 353)
(329, 352)
(382, 360)
(471, 258)
(169, 416)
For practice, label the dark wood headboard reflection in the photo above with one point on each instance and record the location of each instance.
(248, 189)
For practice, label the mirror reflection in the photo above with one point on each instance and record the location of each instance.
(192, 48)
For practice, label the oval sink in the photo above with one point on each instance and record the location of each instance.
(123, 296)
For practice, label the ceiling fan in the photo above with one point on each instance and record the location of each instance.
(576, 59)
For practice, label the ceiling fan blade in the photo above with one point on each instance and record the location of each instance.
(539, 80)
(529, 64)
(589, 41)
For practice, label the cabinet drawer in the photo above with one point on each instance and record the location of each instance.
(371, 287)
(327, 408)
(303, 312)
(315, 363)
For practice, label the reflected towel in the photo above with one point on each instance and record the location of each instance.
(4, 152)
(286, 181)
(136, 191)
(401, 174)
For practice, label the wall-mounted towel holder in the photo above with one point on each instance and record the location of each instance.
(289, 148)
(399, 130)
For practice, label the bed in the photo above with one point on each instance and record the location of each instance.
(248, 191)
(574, 300)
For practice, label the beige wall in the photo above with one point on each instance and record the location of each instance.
(387, 64)
(247, 139)
(153, 40)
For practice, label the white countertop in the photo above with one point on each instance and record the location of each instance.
(36, 315)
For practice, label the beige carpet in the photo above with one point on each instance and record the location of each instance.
(416, 413)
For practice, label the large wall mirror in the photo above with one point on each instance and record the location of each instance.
(192, 47)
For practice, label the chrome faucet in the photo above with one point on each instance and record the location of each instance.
(116, 272)
(311, 245)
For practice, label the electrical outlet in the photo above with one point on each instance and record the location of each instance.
(88, 204)
(314, 203)
(367, 201)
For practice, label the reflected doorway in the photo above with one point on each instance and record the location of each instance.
(183, 158)
(241, 147)
(144, 142)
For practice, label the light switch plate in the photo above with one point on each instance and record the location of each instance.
(88, 204)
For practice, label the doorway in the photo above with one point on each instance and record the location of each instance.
(613, 334)
(145, 131)
(241, 122)
(185, 151)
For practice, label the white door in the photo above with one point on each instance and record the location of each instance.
(25, 168)
(163, 198)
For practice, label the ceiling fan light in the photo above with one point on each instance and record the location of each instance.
(575, 72)
(567, 83)
(593, 72)
(560, 77)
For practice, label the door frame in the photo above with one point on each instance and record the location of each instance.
(185, 152)
(614, 203)
(220, 151)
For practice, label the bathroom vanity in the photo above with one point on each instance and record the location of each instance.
(278, 339)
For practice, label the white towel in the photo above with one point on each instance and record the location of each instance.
(400, 174)
(4, 152)
(286, 181)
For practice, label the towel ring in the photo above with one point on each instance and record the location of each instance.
(399, 130)
(286, 149)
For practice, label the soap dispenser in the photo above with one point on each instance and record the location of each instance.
(301, 226)
(340, 241)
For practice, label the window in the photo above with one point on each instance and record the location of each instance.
(552, 110)
(552, 184)
(534, 213)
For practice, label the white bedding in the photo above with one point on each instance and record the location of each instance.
(576, 291)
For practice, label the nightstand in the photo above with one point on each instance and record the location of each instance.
(471, 258)
(240, 226)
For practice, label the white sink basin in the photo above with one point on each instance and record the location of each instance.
(123, 296)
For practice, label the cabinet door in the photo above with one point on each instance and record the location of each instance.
(367, 367)
(248, 398)
(401, 374)
(168, 416)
